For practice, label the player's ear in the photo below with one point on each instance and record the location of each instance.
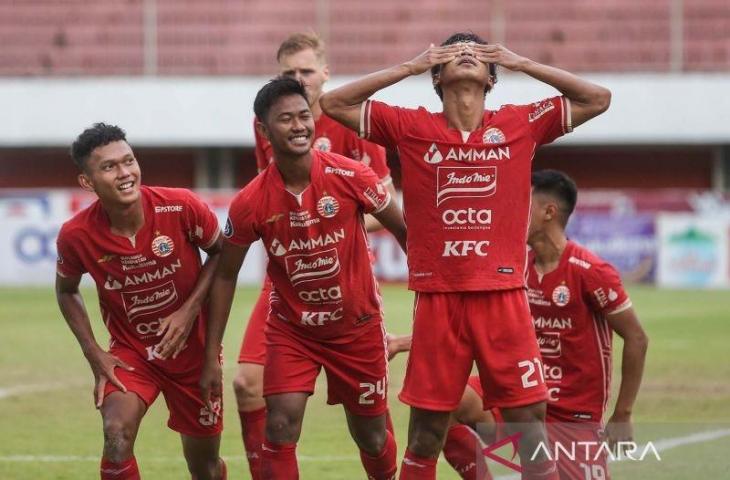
(551, 211)
(85, 182)
(263, 131)
(326, 72)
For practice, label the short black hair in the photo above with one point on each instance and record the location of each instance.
(559, 186)
(273, 91)
(98, 135)
(457, 38)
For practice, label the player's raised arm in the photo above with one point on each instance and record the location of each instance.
(587, 99)
(222, 291)
(344, 103)
(102, 363)
(176, 327)
(391, 217)
(627, 326)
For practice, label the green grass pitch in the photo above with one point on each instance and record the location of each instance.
(49, 428)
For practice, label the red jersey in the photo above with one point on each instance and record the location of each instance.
(332, 136)
(569, 307)
(143, 279)
(324, 287)
(466, 196)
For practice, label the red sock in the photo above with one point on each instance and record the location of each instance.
(382, 467)
(417, 468)
(126, 470)
(279, 461)
(253, 424)
(462, 451)
(544, 470)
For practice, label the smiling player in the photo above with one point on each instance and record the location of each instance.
(141, 246)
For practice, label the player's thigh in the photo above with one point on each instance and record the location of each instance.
(506, 350)
(441, 355)
(471, 407)
(292, 363)
(357, 373)
(189, 415)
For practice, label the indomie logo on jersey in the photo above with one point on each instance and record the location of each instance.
(461, 182)
(549, 343)
(436, 155)
(313, 266)
(149, 300)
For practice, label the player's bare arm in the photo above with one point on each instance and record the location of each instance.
(626, 324)
(391, 217)
(587, 99)
(397, 344)
(175, 328)
(343, 103)
(222, 290)
(102, 363)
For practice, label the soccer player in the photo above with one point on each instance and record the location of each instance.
(577, 302)
(301, 57)
(307, 207)
(466, 188)
(141, 246)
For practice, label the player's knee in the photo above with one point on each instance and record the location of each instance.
(282, 427)
(426, 440)
(118, 440)
(247, 385)
(204, 469)
(372, 441)
(528, 414)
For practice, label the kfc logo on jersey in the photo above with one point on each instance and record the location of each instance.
(149, 300)
(313, 266)
(464, 248)
(323, 144)
(549, 343)
(327, 206)
(467, 219)
(469, 155)
(162, 246)
(315, 319)
(561, 295)
(464, 182)
(321, 295)
(493, 135)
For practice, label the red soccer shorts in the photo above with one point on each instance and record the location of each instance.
(357, 371)
(577, 448)
(451, 330)
(253, 346)
(188, 413)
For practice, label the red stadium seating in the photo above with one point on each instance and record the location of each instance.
(225, 37)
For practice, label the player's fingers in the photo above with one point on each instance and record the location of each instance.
(99, 392)
(164, 323)
(121, 363)
(117, 383)
(179, 349)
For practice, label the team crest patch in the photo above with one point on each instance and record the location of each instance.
(327, 206)
(561, 295)
(323, 144)
(493, 135)
(162, 246)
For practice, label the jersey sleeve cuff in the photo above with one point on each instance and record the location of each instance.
(567, 119)
(385, 204)
(212, 241)
(364, 131)
(621, 308)
(386, 180)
